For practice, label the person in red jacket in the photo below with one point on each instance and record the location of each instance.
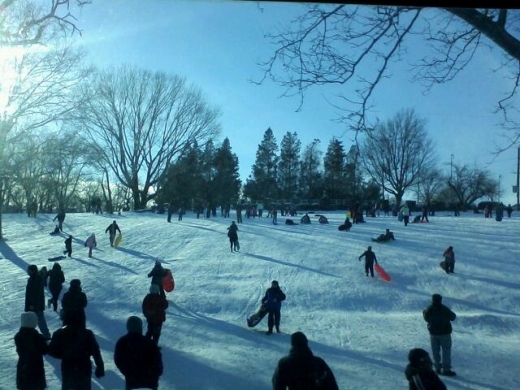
(154, 309)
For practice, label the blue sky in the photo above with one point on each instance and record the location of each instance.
(216, 45)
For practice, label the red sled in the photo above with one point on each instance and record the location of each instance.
(381, 272)
(168, 282)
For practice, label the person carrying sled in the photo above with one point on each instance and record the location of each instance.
(439, 318)
(233, 237)
(157, 274)
(370, 258)
(273, 303)
(68, 246)
(419, 372)
(154, 309)
(138, 358)
(30, 347)
(90, 244)
(301, 369)
(347, 224)
(449, 259)
(112, 229)
(55, 284)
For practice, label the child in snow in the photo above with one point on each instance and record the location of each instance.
(273, 302)
(68, 246)
(370, 258)
(91, 243)
(449, 258)
(233, 237)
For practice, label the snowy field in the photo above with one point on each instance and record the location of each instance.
(362, 327)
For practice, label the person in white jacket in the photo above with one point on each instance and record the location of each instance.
(91, 243)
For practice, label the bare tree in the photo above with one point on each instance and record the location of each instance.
(356, 45)
(430, 185)
(26, 22)
(397, 153)
(139, 121)
(37, 89)
(469, 184)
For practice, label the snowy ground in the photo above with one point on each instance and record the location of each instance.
(362, 327)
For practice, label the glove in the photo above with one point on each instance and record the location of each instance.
(100, 372)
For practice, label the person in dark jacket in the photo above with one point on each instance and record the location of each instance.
(112, 229)
(154, 309)
(35, 298)
(157, 274)
(419, 372)
(301, 369)
(55, 284)
(68, 246)
(370, 258)
(138, 358)
(439, 318)
(273, 303)
(74, 300)
(449, 259)
(30, 347)
(75, 345)
(305, 219)
(233, 237)
(61, 218)
(386, 236)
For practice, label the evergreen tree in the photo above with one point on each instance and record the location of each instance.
(311, 177)
(227, 177)
(262, 183)
(289, 165)
(209, 172)
(335, 178)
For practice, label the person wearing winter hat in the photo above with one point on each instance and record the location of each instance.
(56, 280)
(157, 274)
(273, 303)
(290, 375)
(154, 309)
(138, 358)
(30, 347)
(419, 372)
(35, 298)
(439, 318)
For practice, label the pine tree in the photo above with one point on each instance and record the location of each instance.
(262, 183)
(289, 165)
(335, 179)
(227, 177)
(311, 176)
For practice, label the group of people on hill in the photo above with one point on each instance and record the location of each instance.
(137, 356)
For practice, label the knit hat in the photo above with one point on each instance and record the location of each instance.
(28, 320)
(134, 325)
(298, 339)
(436, 298)
(154, 289)
(75, 283)
(274, 283)
(32, 269)
(418, 356)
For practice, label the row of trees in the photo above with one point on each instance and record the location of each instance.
(396, 157)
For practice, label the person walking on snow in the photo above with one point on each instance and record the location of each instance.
(61, 218)
(112, 229)
(301, 369)
(439, 318)
(405, 210)
(35, 298)
(91, 243)
(370, 258)
(55, 284)
(68, 246)
(157, 274)
(233, 237)
(273, 303)
(154, 309)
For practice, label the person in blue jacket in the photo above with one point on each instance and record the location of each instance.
(273, 302)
